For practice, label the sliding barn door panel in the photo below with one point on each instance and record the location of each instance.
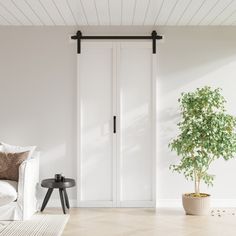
(136, 158)
(116, 155)
(95, 82)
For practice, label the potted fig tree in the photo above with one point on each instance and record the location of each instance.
(207, 133)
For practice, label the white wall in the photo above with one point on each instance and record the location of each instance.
(191, 58)
(38, 95)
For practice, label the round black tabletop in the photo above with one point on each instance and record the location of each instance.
(51, 183)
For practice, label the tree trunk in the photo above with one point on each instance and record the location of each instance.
(197, 183)
(197, 190)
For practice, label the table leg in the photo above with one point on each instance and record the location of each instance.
(66, 199)
(47, 197)
(62, 200)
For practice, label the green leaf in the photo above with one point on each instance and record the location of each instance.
(207, 133)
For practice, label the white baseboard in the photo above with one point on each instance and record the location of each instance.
(169, 203)
(95, 204)
(161, 203)
(74, 203)
(120, 204)
(113, 204)
(138, 204)
(223, 203)
(176, 203)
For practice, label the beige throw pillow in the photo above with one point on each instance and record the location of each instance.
(10, 163)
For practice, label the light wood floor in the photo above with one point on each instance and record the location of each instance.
(146, 222)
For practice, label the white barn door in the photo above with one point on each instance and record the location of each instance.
(95, 124)
(116, 165)
(136, 125)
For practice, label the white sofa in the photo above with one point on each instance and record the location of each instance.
(18, 200)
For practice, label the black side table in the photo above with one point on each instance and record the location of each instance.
(51, 184)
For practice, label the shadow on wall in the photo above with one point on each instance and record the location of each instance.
(97, 158)
(183, 66)
(168, 111)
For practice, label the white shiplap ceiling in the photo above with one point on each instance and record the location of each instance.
(117, 12)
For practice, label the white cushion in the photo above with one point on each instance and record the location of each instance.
(16, 149)
(8, 191)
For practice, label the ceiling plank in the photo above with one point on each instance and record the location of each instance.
(78, 12)
(128, 8)
(7, 15)
(210, 16)
(4, 21)
(190, 12)
(140, 12)
(179, 10)
(103, 12)
(65, 12)
(40, 12)
(17, 11)
(90, 12)
(203, 11)
(153, 12)
(230, 19)
(165, 12)
(115, 11)
(72, 12)
(224, 15)
(28, 12)
(52, 12)
(173, 7)
(96, 9)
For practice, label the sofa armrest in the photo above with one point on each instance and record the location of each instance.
(27, 186)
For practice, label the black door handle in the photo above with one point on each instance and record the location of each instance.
(114, 124)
